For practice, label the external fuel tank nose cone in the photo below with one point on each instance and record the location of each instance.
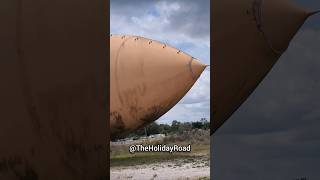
(196, 68)
(279, 21)
(147, 79)
(249, 37)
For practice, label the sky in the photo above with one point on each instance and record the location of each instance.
(183, 24)
(275, 134)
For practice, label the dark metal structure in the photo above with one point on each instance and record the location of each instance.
(249, 36)
(53, 95)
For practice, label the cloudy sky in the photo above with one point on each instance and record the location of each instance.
(184, 24)
(276, 133)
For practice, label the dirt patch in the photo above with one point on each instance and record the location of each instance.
(181, 169)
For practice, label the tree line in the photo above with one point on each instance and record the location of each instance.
(176, 127)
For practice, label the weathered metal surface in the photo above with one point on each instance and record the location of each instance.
(249, 36)
(147, 78)
(53, 57)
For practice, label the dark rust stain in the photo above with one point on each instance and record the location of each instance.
(116, 68)
(142, 89)
(29, 174)
(152, 114)
(119, 127)
(14, 164)
(118, 118)
(7, 164)
(256, 9)
(24, 75)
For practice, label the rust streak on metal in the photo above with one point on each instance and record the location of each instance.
(147, 80)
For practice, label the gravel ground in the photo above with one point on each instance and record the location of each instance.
(180, 169)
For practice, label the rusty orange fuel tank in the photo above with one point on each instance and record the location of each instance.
(249, 36)
(147, 78)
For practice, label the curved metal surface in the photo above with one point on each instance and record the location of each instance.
(249, 36)
(147, 78)
(52, 95)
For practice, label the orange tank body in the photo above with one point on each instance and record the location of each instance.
(147, 78)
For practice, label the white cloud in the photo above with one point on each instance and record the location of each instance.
(195, 105)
